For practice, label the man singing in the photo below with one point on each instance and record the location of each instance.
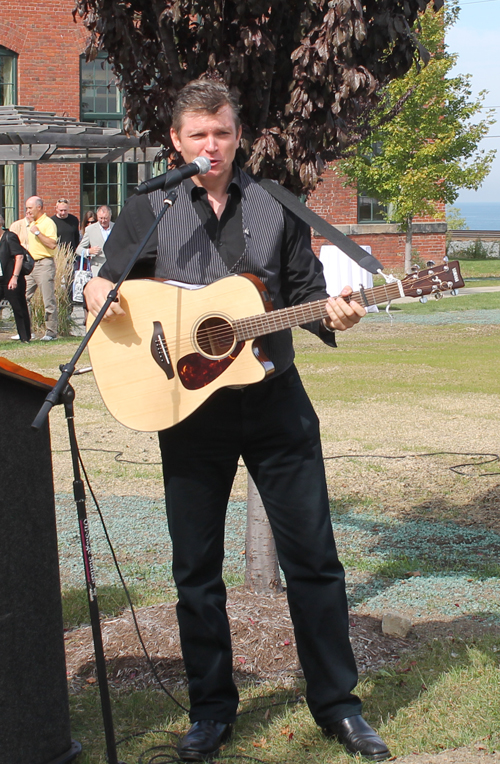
(224, 223)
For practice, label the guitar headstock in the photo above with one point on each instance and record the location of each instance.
(434, 280)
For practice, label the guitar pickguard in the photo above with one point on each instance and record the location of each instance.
(197, 371)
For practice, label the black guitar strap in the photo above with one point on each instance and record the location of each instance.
(351, 249)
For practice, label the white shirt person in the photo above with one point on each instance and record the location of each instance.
(94, 239)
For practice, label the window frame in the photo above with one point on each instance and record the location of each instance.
(378, 212)
(9, 181)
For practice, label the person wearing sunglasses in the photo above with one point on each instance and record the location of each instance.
(68, 225)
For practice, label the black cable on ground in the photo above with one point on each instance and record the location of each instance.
(127, 593)
(456, 468)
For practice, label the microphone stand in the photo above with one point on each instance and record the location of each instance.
(63, 392)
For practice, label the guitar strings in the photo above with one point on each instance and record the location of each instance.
(260, 324)
(219, 339)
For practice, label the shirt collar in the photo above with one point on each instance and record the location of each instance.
(198, 192)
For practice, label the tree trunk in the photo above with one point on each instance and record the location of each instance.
(408, 244)
(262, 570)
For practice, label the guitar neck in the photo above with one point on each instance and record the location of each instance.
(287, 318)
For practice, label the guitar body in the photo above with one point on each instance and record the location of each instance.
(174, 348)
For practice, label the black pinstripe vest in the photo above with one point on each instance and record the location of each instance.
(186, 253)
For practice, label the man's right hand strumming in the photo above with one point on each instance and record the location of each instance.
(96, 292)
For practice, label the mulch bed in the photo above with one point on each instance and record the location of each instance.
(262, 635)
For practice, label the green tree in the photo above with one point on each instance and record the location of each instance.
(307, 72)
(454, 222)
(429, 150)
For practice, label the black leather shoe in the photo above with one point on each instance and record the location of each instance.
(203, 740)
(358, 737)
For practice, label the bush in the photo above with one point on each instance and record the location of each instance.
(475, 251)
(64, 259)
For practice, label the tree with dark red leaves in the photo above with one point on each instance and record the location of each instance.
(307, 72)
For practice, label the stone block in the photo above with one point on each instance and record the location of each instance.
(395, 624)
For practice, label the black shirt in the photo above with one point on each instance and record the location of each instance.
(302, 281)
(225, 233)
(10, 246)
(68, 230)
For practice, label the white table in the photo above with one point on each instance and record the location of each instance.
(341, 271)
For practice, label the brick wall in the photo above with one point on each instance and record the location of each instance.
(48, 44)
(338, 205)
(333, 202)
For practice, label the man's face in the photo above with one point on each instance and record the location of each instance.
(62, 210)
(33, 210)
(103, 217)
(214, 136)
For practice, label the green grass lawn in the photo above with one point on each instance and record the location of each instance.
(489, 268)
(460, 303)
(443, 695)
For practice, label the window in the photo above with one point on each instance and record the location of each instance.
(100, 97)
(8, 173)
(101, 102)
(9, 193)
(370, 210)
(8, 77)
(100, 185)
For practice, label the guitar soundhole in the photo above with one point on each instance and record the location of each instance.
(215, 337)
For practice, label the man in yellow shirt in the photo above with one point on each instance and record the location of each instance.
(42, 242)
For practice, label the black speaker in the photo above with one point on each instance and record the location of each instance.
(34, 711)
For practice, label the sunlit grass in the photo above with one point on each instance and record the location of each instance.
(443, 695)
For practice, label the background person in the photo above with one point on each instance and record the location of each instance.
(88, 219)
(95, 237)
(21, 229)
(12, 281)
(42, 244)
(68, 226)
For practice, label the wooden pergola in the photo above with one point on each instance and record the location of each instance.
(29, 137)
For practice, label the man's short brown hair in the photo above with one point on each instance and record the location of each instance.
(203, 95)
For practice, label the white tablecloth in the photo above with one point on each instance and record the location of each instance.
(341, 271)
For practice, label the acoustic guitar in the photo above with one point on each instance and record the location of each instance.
(176, 346)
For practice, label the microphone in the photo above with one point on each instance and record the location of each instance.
(172, 178)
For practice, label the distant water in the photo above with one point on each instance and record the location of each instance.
(479, 216)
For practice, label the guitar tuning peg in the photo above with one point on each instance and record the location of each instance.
(430, 263)
(454, 292)
(414, 268)
(438, 295)
(423, 300)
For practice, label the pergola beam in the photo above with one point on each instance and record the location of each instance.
(28, 137)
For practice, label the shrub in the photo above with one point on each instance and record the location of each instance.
(475, 251)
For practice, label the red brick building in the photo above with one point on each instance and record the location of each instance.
(360, 218)
(42, 65)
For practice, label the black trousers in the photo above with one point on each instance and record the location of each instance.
(17, 299)
(274, 427)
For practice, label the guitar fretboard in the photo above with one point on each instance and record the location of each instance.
(286, 318)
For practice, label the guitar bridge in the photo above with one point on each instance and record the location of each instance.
(159, 350)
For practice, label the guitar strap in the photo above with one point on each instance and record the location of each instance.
(329, 232)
